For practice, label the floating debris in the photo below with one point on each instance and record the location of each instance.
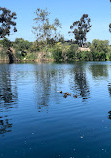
(60, 91)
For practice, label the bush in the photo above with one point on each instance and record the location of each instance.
(22, 45)
(99, 49)
(86, 55)
(57, 52)
(72, 53)
(6, 43)
(65, 52)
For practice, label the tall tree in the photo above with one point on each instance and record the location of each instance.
(7, 22)
(44, 30)
(80, 28)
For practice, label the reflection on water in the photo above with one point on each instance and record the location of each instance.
(81, 83)
(5, 125)
(47, 79)
(8, 95)
(35, 117)
(8, 87)
(109, 115)
(43, 83)
(99, 70)
(109, 88)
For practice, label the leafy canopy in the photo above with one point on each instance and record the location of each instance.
(7, 22)
(44, 30)
(100, 49)
(22, 45)
(80, 28)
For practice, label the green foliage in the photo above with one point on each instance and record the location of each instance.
(0, 42)
(61, 39)
(38, 45)
(99, 49)
(22, 45)
(49, 43)
(44, 30)
(86, 56)
(57, 52)
(7, 20)
(80, 29)
(72, 52)
(32, 56)
(88, 44)
(6, 43)
(3, 54)
(65, 52)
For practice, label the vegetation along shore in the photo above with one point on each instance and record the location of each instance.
(50, 45)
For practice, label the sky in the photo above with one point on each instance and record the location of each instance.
(67, 11)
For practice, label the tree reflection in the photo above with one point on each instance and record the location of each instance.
(99, 70)
(109, 89)
(5, 126)
(109, 116)
(48, 79)
(8, 96)
(43, 89)
(8, 88)
(80, 80)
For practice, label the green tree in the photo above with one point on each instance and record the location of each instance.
(99, 49)
(21, 45)
(7, 22)
(6, 43)
(80, 28)
(44, 30)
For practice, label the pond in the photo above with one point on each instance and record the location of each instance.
(37, 121)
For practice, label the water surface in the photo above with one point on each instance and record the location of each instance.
(36, 121)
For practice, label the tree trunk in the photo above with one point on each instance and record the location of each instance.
(10, 55)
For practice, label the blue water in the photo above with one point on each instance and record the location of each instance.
(36, 121)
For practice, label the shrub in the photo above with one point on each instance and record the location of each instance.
(99, 49)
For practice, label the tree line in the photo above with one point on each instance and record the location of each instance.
(45, 31)
(49, 41)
